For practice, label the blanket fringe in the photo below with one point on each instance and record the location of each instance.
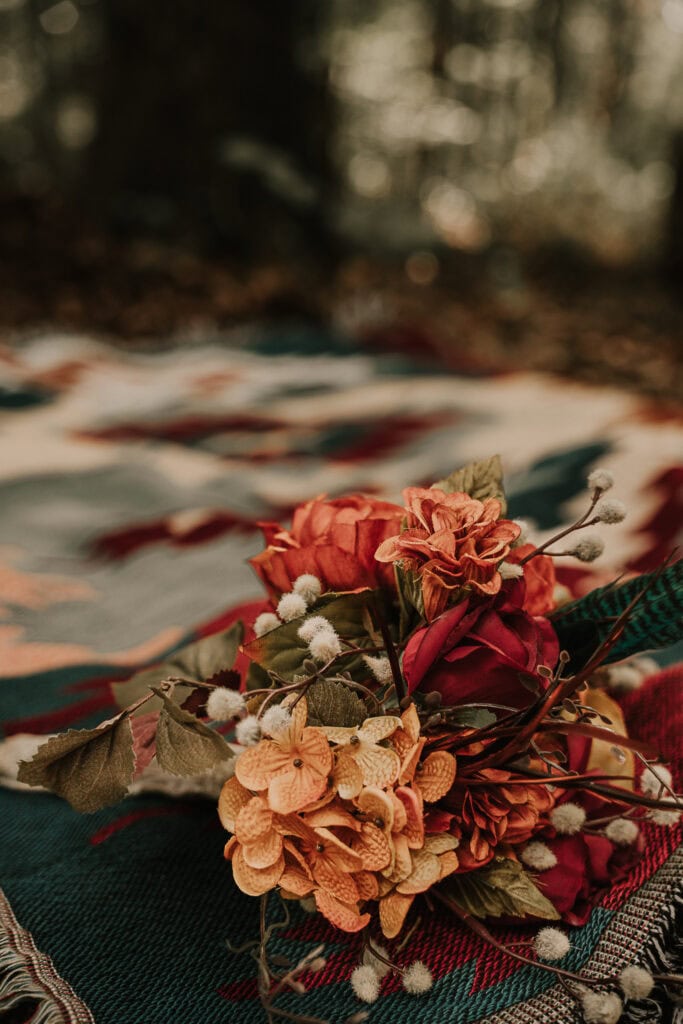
(662, 954)
(28, 976)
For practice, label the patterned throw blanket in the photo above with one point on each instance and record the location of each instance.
(130, 488)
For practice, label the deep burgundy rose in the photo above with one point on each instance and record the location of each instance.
(476, 651)
(587, 864)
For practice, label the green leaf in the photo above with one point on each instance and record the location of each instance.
(502, 889)
(207, 658)
(471, 718)
(332, 703)
(481, 480)
(282, 651)
(200, 661)
(184, 745)
(91, 768)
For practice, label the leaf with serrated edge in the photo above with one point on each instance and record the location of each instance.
(480, 480)
(332, 703)
(501, 889)
(185, 746)
(199, 661)
(281, 650)
(91, 768)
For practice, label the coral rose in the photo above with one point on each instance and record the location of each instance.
(539, 580)
(451, 541)
(335, 540)
(477, 651)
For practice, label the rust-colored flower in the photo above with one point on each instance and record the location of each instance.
(335, 540)
(451, 541)
(493, 808)
(293, 768)
(379, 765)
(539, 580)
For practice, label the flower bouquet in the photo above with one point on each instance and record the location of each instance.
(418, 714)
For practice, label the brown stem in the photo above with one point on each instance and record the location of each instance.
(401, 691)
(482, 931)
(579, 524)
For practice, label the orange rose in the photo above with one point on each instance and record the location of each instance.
(451, 541)
(335, 540)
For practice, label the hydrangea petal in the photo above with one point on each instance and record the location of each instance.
(347, 776)
(374, 846)
(257, 765)
(296, 789)
(231, 801)
(254, 820)
(426, 871)
(392, 913)
(265, 851)
(379, 765)
(375, 729)
(436, 775)
(341, 915)
(314, 749)
(367, 885)
(255, 881)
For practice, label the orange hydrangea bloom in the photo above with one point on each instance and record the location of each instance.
(434, 775)
(294, 768)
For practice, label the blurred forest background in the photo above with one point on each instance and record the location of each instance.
(501, 180)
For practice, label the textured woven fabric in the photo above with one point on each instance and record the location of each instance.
(128, 497)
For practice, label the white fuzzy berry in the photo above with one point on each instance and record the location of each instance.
(636, 982)
(624, 678)
(308, 629)
(538, 856)
(622, 831)
(380, 668)
(291, 606)
(666, 818)
(224, 704)
(609, 511)
(248, 731)
(551, 944)
(325, 645)
(417, 979)
(524, 531)
(601, 1007)
(365, 983)
(379, 967)
(588, 548)
(600, 480)
(561, 595)
(265, 622)
(308, 586)
(568, 819)
(646, 666)
(656, 778)
(275, 720)
(510, 571)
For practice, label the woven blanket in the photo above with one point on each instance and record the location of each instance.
(130, 488)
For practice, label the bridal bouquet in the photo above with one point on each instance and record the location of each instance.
(419, 714)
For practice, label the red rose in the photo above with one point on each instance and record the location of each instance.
(476, 651)
(587, 864)
(335, 540)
